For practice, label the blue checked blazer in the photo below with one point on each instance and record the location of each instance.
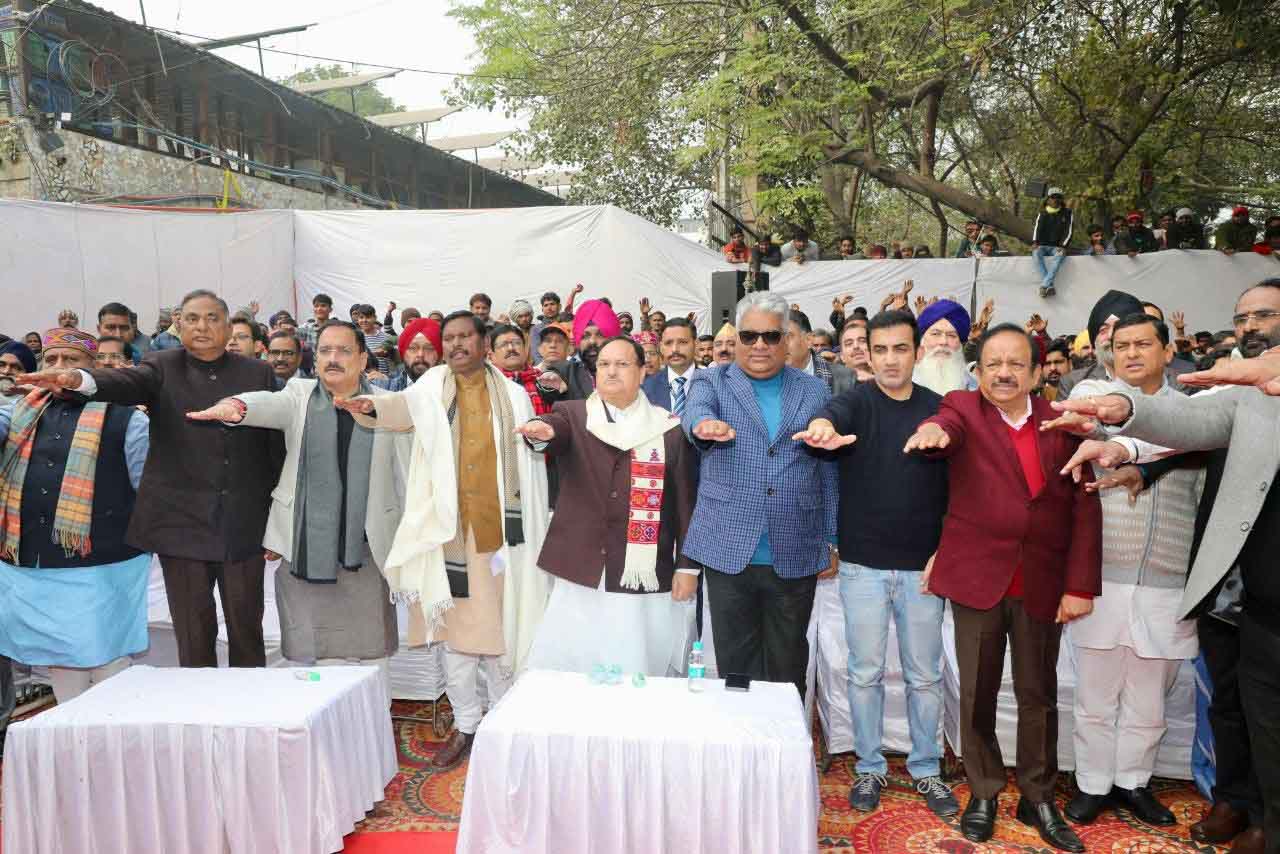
(658, 389)
(756, 483)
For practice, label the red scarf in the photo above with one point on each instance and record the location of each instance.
(529, 379)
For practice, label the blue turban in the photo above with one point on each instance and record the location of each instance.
(945, 308)
(24, 354)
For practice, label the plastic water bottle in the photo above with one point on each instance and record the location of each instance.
(697, 669)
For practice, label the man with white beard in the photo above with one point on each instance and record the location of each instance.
(940, 366)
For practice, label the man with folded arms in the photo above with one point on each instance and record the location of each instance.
(1020, 556)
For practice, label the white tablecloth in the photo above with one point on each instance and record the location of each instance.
(561, 766)
(172, 761)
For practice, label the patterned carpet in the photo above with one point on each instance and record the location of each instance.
(420, 799)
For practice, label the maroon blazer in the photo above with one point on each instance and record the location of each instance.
(588, 532)
(992, 521)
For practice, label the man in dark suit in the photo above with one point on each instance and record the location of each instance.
(206, 489)
(669, 388)
(765, 521)
(1020, 555)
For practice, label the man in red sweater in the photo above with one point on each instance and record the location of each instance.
(1020, 556)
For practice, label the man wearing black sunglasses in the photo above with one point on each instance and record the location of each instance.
(760, 527)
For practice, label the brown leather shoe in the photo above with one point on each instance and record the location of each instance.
(1249, 842)
(1222, 824)
(457, 748)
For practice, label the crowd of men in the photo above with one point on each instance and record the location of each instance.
(470, 467)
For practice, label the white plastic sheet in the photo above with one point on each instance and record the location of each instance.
(55, 256)
(435, 260)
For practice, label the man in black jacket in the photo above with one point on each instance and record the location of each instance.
(1052, 234)
(206, 489)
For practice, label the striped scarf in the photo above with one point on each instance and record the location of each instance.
(528, 379)
(73, 517)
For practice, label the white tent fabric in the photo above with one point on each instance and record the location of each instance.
(829, 654)
(435, 260)
(1203, 284)
(55, 256)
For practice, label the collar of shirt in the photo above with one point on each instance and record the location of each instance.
(1018, 423)
(615, 414)
(672, 376)
(809, 368)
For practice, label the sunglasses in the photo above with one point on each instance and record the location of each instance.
(749, 337)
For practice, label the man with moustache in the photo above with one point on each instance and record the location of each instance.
(1111, 307)
(1129, 648)
(284, 354)
(1057, 364)
(854, 353)
(627, 494)
(16, 359)
(940, 366)
(1020, 556)
(206, 490)
(668, 388)
(891, 511)
(419, 345)
(723, 345)
(703, 350)
(800, 355)
(487, 597)
(335, 510)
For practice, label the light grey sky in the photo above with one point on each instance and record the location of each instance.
(416, 33)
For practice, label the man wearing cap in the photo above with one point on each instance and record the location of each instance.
(940, 366)
(722, 346)
(551, 312)
(1236, 234)
(626, 322)
(420, 348)
(73, 592)
(16, 359)
(521, 315)
(1185, 232)
(168, 337)
(1141, 238)
(1110, 308)
(1052, 234)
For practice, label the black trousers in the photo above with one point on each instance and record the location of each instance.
(980, 645)
(1260, 691)
(1236, 782)
(759, 623)
(189, 586)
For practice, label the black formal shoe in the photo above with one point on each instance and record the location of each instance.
(1084, 808)
(979, 819)
(1144, 805)
(1222, 824)
(1045, 818)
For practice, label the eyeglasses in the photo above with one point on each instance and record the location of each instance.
(749, 337)
(282, 354)
(512, 344)
(1262, 316)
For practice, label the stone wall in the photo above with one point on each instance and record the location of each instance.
(89, 167)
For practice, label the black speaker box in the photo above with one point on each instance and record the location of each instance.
(727, 287)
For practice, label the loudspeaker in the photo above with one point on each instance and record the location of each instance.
(727, 287)
(1036, 189)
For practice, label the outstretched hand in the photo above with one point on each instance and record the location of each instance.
(1071, 422)
(1126, 477)
(928, 437)
(822, 434)
(1105, 409)
(1106, 454)
(536, 431)
(714, 431)
(355, 405)
(52, 379)
(1261, 372)
(223, 410)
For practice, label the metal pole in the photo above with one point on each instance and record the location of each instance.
(261, 65)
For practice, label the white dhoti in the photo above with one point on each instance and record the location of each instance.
(648, 633)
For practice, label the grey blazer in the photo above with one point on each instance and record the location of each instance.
(1247, 423)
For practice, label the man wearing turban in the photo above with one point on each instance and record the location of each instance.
(420, 347)
(940, 365)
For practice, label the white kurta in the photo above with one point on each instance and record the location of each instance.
(1145, 619)
(525, 587)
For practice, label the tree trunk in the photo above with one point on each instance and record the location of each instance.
(934, 190)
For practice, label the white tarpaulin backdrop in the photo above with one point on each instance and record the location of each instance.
(56, 256)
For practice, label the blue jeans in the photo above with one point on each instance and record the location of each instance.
(1048, 269)
(869, 597)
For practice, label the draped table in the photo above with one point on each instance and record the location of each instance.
(200, 761)
(560, 766)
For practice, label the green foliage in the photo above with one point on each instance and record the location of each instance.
(953, 104)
